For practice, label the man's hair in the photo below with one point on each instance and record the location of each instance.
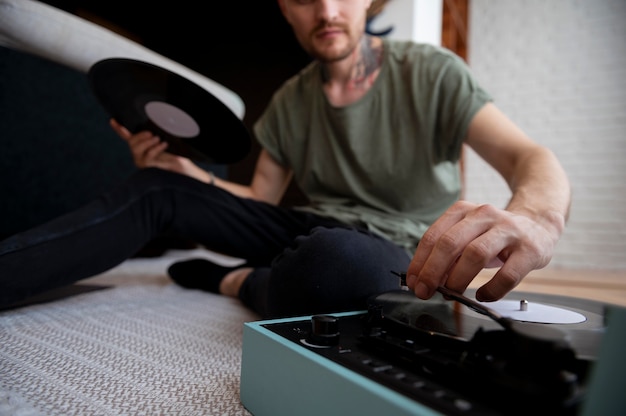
(376, 7)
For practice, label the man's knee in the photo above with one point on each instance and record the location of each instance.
(333, 269)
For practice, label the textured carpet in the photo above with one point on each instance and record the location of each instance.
(141, 346)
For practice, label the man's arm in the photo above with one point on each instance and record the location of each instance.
(268, 184)
(469, 237)
(539, 184)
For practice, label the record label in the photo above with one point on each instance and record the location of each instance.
(172, 119)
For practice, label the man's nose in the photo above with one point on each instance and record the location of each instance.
(327, 10)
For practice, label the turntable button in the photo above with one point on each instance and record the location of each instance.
(463, 405)
(324, 330)
(383, 367)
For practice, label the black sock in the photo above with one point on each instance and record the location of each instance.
(199, 274)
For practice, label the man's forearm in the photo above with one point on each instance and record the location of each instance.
(541, 190)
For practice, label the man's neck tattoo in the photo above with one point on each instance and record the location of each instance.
(369, 61)
(370, 58)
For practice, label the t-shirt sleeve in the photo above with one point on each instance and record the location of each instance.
(459, 98)
(266, 129)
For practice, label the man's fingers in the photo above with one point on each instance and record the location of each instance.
(431, 237)
(506, 279)
(445, 246)
(119, 129)
(145, 147)
(477, 254)
(154, 151)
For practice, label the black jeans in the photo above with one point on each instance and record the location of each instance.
(303, 263)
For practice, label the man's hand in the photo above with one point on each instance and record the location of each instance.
(148, 150)
(470, 237)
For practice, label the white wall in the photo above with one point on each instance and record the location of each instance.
(417, 20)
(558, 69)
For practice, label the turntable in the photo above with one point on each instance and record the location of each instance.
(526, 354)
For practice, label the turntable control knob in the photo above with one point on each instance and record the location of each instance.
(324, 330)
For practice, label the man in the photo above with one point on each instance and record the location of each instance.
(372, 132)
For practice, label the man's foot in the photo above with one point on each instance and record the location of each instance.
(231, 283)
(199, 274)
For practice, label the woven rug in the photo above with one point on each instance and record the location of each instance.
(141, 346)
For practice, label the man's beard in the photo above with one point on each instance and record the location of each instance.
(325, 56)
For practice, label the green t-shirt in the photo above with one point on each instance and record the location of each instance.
(388, 161)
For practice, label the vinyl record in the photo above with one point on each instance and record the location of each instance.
(196, 124)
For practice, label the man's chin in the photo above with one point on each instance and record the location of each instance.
(331, 55)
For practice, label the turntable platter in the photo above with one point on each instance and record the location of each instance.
(523, 310)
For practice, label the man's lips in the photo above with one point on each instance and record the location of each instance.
(328, 33)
